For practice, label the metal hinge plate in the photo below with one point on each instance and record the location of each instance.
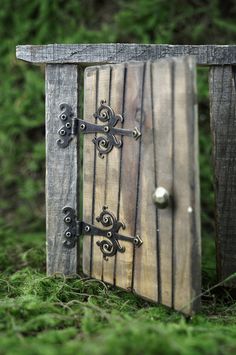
(109, 246)
(104, 143)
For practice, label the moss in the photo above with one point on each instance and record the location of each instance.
(51, 315)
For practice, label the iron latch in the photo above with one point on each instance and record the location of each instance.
(104, 143)
(109, 246)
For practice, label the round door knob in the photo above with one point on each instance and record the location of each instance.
(161, 197)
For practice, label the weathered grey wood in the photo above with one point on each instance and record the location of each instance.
(223, 126)
(61, 167)
(186, 221)
(120, 52)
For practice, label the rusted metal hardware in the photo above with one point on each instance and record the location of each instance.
(109, 131)
(109, 246)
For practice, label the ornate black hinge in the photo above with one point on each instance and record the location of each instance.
(109, 246)
(104, 143)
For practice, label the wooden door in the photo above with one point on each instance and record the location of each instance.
(161, 260)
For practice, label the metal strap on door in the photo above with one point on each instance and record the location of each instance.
(105, 143)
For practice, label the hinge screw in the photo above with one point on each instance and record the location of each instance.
(106, 129)
(87, 228)
(104, 115)
(63, 117)
(82, 126)
(68, 234)
(103, 143)
(109, 234)
(68, 125)
(62, 132)
(67, 219)
(136, 134)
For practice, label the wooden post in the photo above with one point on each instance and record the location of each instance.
(223, 126)
(61, 167)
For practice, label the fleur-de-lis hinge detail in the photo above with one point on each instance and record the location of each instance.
(107, 131)
(108, 246)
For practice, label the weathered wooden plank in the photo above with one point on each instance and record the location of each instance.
(146, 260)
(186, 222)
(162, 103)
(114, 161)
(121, 52)
(129, 175)
(223, 126)
(61, 167)
(89, 164)
(103, 94)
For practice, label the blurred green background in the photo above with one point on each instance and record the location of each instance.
(76, 21)
(46, 315)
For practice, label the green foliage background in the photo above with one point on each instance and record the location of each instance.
(41, 315)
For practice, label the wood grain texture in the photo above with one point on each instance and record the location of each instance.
(61, 167)
(223, 127)
(112, 177)
(129, 174)
(103, 94)
(120, 52)
(116, 175)
(146, 258)
(186, 222)
(89, 164)
(162, 106)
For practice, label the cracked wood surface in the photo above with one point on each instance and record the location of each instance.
(119, 52)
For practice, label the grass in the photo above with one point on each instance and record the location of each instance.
(54, 315)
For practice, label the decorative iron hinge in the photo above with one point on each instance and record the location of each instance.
(104, 143)
(109, 246)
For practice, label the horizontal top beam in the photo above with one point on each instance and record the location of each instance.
(86, 54)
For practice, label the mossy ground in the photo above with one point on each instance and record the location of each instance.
(54, 315)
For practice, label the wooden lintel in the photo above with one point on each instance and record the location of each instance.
(88, 54)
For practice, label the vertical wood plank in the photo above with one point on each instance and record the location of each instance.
(223, 126)
(146, 257)
(89, 164)
(61, 167)
(130, 170)
(162, 102)
(113, 161)
(103, 93)
(186, 248)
